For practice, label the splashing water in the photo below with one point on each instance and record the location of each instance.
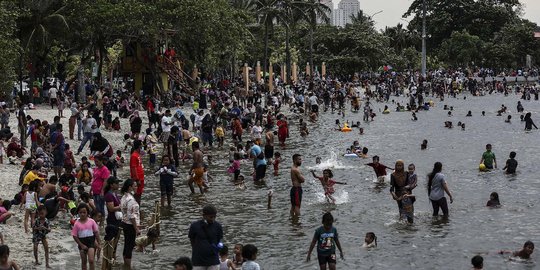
(330, 163)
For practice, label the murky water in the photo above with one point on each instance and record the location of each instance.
(363, 205)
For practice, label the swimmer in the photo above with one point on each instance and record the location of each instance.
(318, 160)
(483, 113)
(477, 262)
(524, 253)
(449, 113)
(469, 114)
(508, 118)
(423, 146)
(414, 118)
(364, 152)
(511, 164)
(380, 169)
(328, 184)
(370, 240)
(361, 131)
(493, 200)
(239, 182)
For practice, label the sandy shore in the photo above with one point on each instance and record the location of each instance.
(61, 244)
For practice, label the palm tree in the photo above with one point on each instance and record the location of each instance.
(290, 13)
(44, 20)
(400, 38)
(267, 12)
(315, 10)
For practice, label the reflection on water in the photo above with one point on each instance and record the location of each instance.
(363, 206)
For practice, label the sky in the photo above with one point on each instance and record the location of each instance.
(392, 10)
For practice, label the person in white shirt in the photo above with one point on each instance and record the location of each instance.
(166, 124)
(53, 96)
(89, 128)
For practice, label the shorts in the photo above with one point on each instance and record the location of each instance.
(296, 196)
(198, 174)
(87, 241)
(315, 108)
(326, 259)
(489, 167)
(260, 172)
(166, 186)
(268, 151)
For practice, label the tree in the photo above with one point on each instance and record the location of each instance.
(315, 10)
(8, 47)
(481, 18)
(462, 49)
(41, 24)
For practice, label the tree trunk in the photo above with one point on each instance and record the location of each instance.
(265, 62)
(287, 54)
(311, 51)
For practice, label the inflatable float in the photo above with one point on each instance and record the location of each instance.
(346, 128)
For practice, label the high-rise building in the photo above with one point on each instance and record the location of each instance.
(346, 9)
(330, 5)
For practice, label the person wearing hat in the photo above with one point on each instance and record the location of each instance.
(205, 236)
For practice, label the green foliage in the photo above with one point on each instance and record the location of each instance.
(8, 46)
(462, 49)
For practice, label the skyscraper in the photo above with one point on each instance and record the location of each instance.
(346, 9)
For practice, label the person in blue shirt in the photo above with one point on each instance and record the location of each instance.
(326, 238)
(259, 161)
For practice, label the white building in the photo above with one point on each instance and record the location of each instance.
(346, 9)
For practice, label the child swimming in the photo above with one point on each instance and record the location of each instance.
(370, 240)
(493, 200)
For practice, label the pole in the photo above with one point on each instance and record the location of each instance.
(424, 38)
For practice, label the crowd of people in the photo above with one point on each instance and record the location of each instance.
(83, 182)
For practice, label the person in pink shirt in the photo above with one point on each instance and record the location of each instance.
(101, 174)
(86, 233)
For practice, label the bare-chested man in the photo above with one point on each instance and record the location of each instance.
(296, 190)
(269, 145)
(197, 169)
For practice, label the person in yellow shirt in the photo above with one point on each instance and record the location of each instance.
(220, 135)
(33, 175)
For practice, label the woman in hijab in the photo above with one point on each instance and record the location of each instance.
(398, 180)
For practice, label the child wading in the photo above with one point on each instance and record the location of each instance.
(326, 238)
(328, 184)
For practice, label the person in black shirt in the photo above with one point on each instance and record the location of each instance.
(205, 236)
(511, 164)
(172, 145)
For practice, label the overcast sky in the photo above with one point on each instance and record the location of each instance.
(394, 9)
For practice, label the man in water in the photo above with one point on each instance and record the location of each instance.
(296, 191)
